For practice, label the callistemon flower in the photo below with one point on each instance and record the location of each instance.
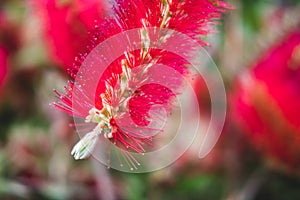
(267, 102)
(122, 110)
(66, 24)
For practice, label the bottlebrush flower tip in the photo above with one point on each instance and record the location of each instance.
(85, 146)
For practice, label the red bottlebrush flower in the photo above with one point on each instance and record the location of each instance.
(66, 25)
(122, 107)
(267, 102)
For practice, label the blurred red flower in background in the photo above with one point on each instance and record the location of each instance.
(267, 102)
(66, 25)
(3, 65)
(6, 45)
